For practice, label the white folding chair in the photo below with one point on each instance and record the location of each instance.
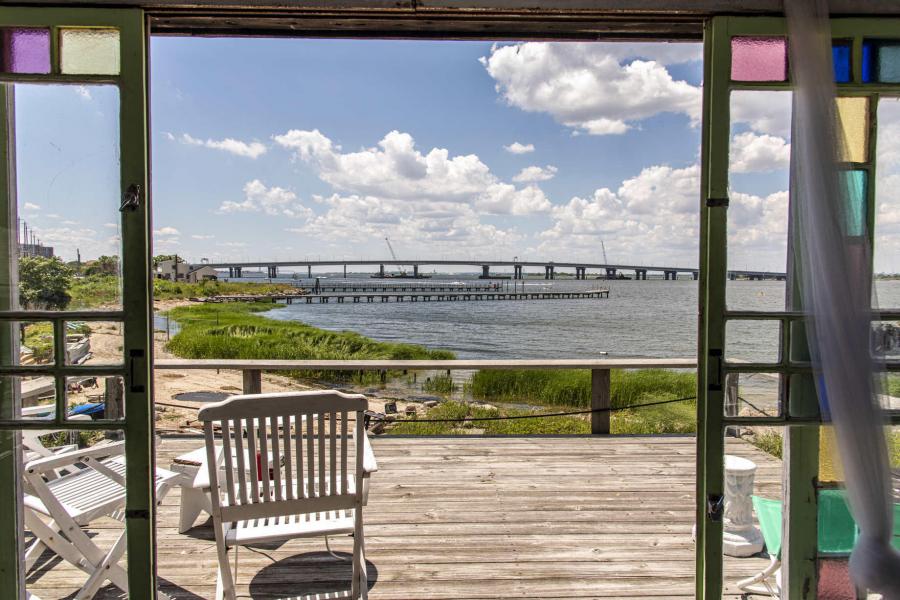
(313, 490)
(58, 509)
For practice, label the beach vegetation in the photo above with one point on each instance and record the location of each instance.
(44, 283)
(457, 413)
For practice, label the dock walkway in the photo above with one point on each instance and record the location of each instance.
(450, 296)
(471, 517)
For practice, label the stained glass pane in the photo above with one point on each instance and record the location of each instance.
(889, 63)
(840, 52)
(89, 51)
(837, 530)
(855, 183)
(758, 59)
(868, 59)
(853, 114)
(834, 580)
(25, 50)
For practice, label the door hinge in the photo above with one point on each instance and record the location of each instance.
(714, 370)
(717, 202)
(131, 199)
(715, 504)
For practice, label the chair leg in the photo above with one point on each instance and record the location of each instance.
(193, 502)
(225, 580)
(103, 570)
(359, 587)
(761, 584)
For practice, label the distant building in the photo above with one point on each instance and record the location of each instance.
(202, 273)
(167, 269)
(35, 250)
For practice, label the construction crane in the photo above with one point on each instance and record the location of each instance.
(394, 255)
(602, 246)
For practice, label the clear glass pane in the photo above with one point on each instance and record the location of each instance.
(855, 184)
(840, 53)
(35, 344)
(753, 503)
(752, 341)
(853, 118)
(95, 397)
(74, 480)
(67, 196)
(94, 342)
(752, 395)
(758, 59)
(89, 51)
(38, 395)
(886, 238)
(25, 50)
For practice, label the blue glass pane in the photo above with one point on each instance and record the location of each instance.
(889, 63)
(868, 58)
(840, 52)
(855, 183)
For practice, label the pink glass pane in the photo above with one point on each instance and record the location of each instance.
(26, 50)
(758, 59)
(834, 580)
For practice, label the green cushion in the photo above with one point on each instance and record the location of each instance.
(837, 530)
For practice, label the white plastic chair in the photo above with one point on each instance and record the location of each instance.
(58, 509)
(313, 490)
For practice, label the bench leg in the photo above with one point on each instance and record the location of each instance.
(193, 502)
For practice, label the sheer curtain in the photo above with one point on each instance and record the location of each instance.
(835, 285)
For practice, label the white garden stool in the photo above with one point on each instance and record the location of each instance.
(741, 537)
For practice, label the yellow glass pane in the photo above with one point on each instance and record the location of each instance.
(830, 469)
(89, 51)
(853, 118)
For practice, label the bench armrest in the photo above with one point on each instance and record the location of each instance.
(370, 465)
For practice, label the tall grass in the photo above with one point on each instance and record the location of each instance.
(459, 411)
(236, 331)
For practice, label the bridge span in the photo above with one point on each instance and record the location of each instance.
(604, 271)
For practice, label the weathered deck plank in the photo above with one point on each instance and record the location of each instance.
(579, 517)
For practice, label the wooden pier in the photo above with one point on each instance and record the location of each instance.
(404, 287)
(368, 298)
(451, 296)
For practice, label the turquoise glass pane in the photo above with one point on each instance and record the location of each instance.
(840, 55)
(889, 63)
(855, 184)
(837, 530)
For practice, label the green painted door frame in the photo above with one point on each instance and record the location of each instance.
(135, 314)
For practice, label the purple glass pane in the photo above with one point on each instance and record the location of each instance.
(26, 50)
(758, 59)
(834, 580)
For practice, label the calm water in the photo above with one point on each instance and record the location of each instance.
(652, 318)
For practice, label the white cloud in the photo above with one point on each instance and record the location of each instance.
(654, 217)
(395, 170)
(166, 231)
(763, 111)
(111, 225)
(517, 148)
(270, 200)
(31, 206)
(535, 173)
(759, 153)
(230, 145)
(83, 92)
(202, 237)
(594, 88)
(232, 244)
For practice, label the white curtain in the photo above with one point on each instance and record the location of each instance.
(835, 285)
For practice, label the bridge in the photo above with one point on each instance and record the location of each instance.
(605, 271)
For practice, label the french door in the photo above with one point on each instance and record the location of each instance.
(74, 209)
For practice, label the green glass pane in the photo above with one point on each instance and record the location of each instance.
(855, 184)
(837, 530)
(89, 51)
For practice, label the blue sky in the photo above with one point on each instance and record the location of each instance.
(279, 149)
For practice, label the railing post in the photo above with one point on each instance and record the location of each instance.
(252, 381)
(732, 402)
(600, 399)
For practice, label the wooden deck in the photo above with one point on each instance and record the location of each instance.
(572, 517)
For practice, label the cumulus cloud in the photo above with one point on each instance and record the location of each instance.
(202, 237)
(272, 201)
(759, 153)
(517, 148)
(654, 217)
(535, 173)
(166, 231)
(395, 170)
(763, 111)
(887, 189)
(600, 89)
(230, 145)
(31, 206)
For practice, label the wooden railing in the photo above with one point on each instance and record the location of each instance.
(600, 371)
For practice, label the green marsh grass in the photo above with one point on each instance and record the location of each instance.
(237, 331)
(458, 411)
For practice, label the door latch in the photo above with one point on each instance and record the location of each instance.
(131, 199)
(715, 504)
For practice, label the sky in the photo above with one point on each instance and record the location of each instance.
(280, 149)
